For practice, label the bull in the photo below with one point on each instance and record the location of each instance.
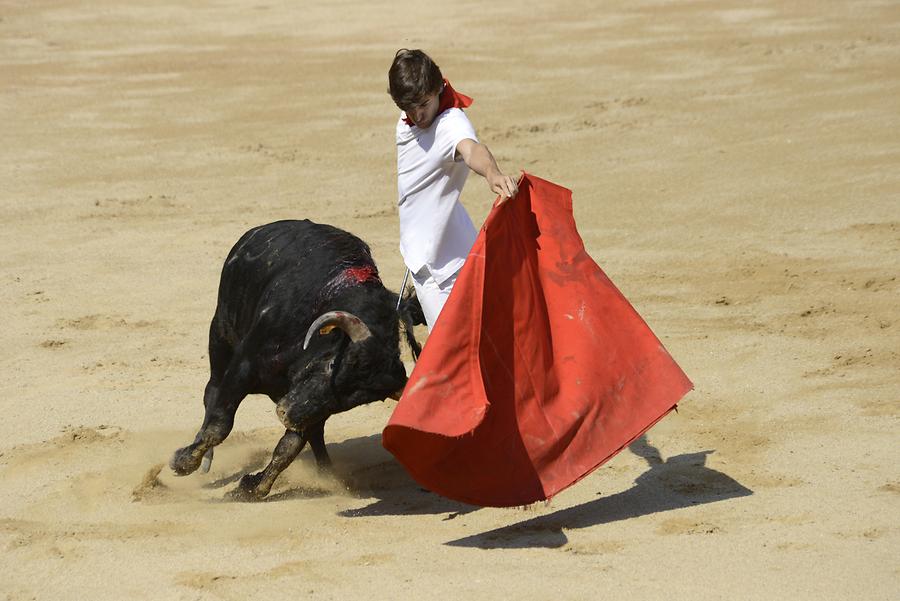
(302, 317)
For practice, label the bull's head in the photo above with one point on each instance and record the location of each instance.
(338, 376)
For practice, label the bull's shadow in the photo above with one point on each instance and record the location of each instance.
(385, 480)
(363, 468)
(674, 483)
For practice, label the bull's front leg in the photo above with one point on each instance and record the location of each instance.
(221, 401)
(253, 487)
(316, 436)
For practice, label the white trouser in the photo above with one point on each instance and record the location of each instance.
(432, 295)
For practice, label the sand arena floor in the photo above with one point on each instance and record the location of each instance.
(735, 172)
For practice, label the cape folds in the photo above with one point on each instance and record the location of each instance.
(538, 370)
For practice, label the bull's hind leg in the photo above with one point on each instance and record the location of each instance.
(230, 381)
(253, 487)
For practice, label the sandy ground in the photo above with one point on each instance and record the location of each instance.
(735, 171)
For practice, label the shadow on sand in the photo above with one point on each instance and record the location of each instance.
(386, 480)
(680, 481)
(363, 468)
(674, 483)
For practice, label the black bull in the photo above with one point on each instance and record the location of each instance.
(302, 317)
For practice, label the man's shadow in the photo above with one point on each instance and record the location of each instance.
(674, 483)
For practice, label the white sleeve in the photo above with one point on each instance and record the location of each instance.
(454, 127)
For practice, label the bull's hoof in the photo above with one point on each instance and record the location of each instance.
(248, 489)
(185, 461)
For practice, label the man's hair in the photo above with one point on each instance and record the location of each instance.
(412, 77)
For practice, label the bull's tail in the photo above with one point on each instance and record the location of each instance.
(411, 315)
(412, 342)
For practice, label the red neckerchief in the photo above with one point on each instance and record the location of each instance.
(449, 99)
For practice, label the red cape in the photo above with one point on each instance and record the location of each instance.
(538, 370)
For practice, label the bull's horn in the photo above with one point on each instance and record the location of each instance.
(352, 325)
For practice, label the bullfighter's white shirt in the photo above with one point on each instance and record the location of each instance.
(435, 229)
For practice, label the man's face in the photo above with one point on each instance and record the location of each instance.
(423, 112)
